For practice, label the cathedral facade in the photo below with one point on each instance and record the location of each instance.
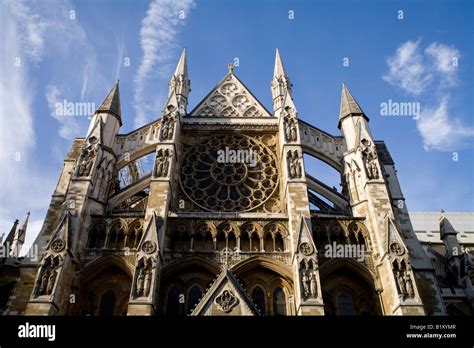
(211, 211)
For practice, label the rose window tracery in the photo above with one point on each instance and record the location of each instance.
(229, 173)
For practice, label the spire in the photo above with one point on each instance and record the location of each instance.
(348, 104)
(22, 229)
(12, 233)
(279, 70)
(281, 85)
(19, 238)
(111, 103)
(182, 67)
(179, 86)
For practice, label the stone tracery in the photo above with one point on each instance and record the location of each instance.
(232, 185)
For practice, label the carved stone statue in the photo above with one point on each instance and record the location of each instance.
(290, 125)
(162, 163)
(306, 284)
(369, 155)
(51, 282)
(313, 286)
(140, 282)
(167, 124)
(400, 283)
(146, 288)
(44, 282)
(294, 165)
(88, 155)
(408, 285)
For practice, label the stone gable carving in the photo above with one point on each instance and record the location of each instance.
(230, 98)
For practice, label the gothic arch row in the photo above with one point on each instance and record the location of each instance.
(209, 236)
(117, 234)
(340, 232)
(185, 282)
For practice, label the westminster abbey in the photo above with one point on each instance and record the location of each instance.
(212, 211)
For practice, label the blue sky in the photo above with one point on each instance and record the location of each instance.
(75, 50)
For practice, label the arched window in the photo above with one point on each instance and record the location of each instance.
(231, 241)
(97, 236)
(258, 298)
(198, 242)
(221, 241)
(279, 302)
(193, 298)
(173, 305)
(244, 241)
(255, 242)
(268, 242)
(184, 241)
(345, 304)
(134, 235)
(107, 303)
(279, 243)
(116, 237)
(138, 237)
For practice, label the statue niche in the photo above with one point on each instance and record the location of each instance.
(403, 279)
(47, 277)
(167, 123)
(290, 124)
(369, 155)
(89, 152)
(294, 164)
(144, 273)
(162, 163)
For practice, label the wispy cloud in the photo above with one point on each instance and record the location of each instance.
(444, 59)
(439, 130)
(424, 74)
(158, 41)
(69, 127)
(407, 69)
(36, 33)
(31, 29)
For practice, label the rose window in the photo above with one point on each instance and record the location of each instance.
(229, 173)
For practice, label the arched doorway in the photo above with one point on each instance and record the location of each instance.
(269, 283)
(107, 305)
(182, 284)
(104, 288)
(348, 289)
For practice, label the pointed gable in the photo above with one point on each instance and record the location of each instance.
(394, 244)
(225, 297)
(61, 241)
(348, 104)
(149, 244)
(230, 98)
(111, 103)
(305, 243)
